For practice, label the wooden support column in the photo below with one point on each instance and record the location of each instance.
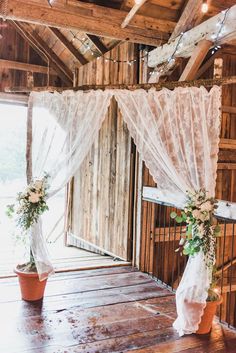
(196, 60)
(132, 12)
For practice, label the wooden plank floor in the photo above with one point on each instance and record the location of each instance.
(63, 259)
(100, 311)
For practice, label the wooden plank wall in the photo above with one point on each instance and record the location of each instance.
(14, 47)
(101, 202)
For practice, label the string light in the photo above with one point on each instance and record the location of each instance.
(204, 7)
(216, 36)
(50, 2)
(171, 60)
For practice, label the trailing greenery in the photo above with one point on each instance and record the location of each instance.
(201, 232)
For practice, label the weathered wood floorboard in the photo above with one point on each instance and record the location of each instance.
(100, 311)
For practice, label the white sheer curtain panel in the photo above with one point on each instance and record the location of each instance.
(60, 145)
(177, 135)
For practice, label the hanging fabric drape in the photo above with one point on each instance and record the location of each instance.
(59, 146)
(177, 134)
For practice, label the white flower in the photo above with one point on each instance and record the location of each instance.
(196, 214)
(204, 216)
(206, 206)
(38, 184)
(182, 241)
(34, 197)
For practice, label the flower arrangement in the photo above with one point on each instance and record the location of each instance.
(30, 204)
(201, 232)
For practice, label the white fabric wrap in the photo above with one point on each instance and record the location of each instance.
(60, 145)
(177, 134)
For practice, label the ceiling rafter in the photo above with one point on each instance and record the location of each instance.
(39, 49)
(97, 43)
(82, 60)
(16, 65)
(29, 33)
(91, 19)
(132, 13)
(190, 17)
(206, 30)
(195, 60)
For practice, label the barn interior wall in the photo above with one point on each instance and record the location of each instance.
(101, 196)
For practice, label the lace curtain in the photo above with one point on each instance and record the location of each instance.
(177, 134)
(60, 146)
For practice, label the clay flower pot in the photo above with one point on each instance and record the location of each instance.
(31, 288)
(208, 316)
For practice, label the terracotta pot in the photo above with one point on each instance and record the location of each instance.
(208, 316)
(32, 288)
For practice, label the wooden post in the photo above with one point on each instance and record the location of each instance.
(196, 60)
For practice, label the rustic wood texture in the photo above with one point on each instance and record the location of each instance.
(160, 258)
(90, 18)
(14, 48)
(195, 60)
(100, 311)
(101, 187)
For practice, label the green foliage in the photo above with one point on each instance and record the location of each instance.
(200, 232)
(30, 205)
(173, 215)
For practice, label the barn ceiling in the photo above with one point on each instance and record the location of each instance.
(70, 33)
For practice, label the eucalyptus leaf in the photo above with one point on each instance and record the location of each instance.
(179, 219)
(173, 215)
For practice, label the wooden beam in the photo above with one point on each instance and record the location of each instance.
(90, 18)
(146, 86)
(228, 109)
(190, 16)
(16, 65)
(191, 38)
(97, 43)
(40, 49)
(69, 46)
(62, 69)
(226, 166)
(207, 64)
(196, 60)
(132, 12)
(228, 144)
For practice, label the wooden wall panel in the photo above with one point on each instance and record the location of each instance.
(226, 174)
(101, 187)
(14, 47)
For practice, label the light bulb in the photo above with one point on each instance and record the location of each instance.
(204, 7)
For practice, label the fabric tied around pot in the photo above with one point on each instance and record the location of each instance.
(40, 251)
(191, 294)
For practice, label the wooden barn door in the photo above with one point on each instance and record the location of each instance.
(102, 205)
(101, 192)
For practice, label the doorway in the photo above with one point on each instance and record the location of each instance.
(13, 137)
